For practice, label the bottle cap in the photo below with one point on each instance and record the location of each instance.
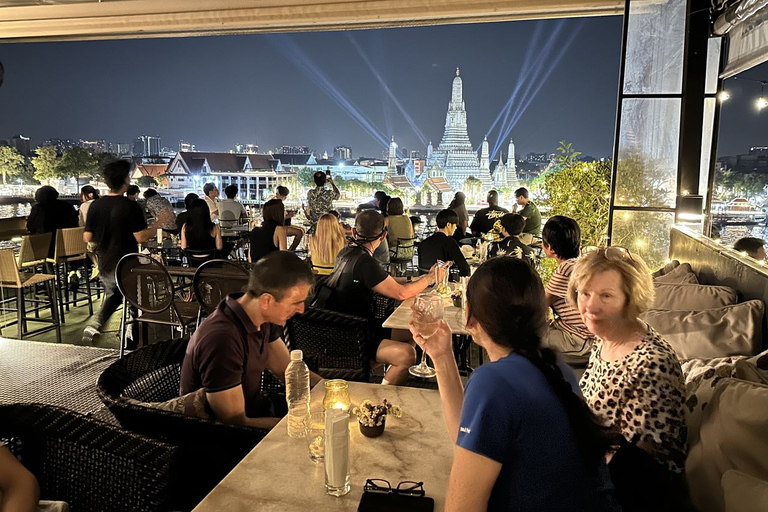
(297, 355)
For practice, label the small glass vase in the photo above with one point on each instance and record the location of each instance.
(374, 431)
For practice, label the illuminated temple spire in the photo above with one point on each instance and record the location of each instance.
(455, 154)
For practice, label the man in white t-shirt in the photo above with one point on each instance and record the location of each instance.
(231, 210)
(210, 193)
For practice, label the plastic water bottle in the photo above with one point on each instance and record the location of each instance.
(297, 394)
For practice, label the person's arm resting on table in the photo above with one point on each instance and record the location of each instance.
(394, 290)
(229, 406)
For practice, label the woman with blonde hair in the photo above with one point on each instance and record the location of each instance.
(633, 381)
(326, 243)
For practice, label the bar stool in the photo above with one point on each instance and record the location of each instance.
(70, 247)
(10, 277)
(34, 251)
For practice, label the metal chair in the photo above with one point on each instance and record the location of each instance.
(147, 286)
(91, 465)
(70, 248)
(10, 277)
(214, 280)
(337, 342)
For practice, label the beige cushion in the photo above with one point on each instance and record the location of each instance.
(732, 436)
(666, 269)
(743, 492)
(693, 297)
(702, 377)
(726, 331)
(680, 275)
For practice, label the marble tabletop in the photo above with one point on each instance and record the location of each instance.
(452, 315)
(277, 474)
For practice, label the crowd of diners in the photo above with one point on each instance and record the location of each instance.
(527, 434)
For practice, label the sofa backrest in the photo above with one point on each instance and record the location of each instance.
(715, 264)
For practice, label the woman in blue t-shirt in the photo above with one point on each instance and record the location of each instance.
(524, 439)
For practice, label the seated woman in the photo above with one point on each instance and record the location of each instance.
(200, 234)
(271, 235)
(326, 243)
(633, 381)
(88, 195)
(398, 225)
(525, 440)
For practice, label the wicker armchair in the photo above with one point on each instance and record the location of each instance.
(91, 465)
(209, 448)
(336, 343)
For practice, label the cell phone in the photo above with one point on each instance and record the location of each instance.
(328, 172)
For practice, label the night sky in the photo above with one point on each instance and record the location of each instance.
(274, 89)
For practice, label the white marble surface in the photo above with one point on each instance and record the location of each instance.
(278, 476)
(452, 315)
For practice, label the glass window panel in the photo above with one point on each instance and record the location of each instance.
(645, 234)
(713, 64)
(649, 140)
(655, 42)
(707, 129)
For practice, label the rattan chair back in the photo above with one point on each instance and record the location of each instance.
(91, 465)
(9, 271)
(402, 252)
(215, 279)
(338, 343)
(145, 283)
(70, 243)
(34, 250)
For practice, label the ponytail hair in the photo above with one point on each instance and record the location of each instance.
(505, 296)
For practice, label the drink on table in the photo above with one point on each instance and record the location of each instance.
(297, 395)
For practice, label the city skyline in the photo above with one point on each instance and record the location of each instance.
(323, 90)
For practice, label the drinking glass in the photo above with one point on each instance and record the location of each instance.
(316, 437)
(426, 312)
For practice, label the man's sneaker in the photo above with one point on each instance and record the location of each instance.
(90, 335)
(74, 281)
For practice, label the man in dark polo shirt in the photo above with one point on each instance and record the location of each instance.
(229, 351)
(356, 276)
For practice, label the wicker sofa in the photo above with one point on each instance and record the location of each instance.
(91, 465)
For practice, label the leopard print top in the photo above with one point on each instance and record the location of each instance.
(641, 396)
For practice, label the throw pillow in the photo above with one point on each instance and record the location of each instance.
(726, 331)
(743, 492)
(732, 436)
(192, 404)
(693, 297)
(666, 269)
(680, 275)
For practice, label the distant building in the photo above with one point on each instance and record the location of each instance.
(254, 175)
(123, 149)
(250, 149)
(21, 143)
(342, 153)
(186, 146)
(754, 161)
(61, 145)
(294, 150)
(93, 146)
(415, 154)
(146, 145)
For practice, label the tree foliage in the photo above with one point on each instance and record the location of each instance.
(46, 163)
(147, 182)
(11, 162)
(305, 176)
(567, 156)
(473, 189)
(581, 191)
(77, 163)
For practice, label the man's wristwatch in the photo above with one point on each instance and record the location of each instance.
(408, 279)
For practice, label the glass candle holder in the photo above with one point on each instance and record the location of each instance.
(337, 395)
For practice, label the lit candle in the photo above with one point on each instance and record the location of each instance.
(337, 395)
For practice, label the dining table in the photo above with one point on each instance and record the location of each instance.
(278, 475)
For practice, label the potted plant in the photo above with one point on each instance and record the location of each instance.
(373, 417)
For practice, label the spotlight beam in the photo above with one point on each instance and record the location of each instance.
(291, 49)
(383, 86)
